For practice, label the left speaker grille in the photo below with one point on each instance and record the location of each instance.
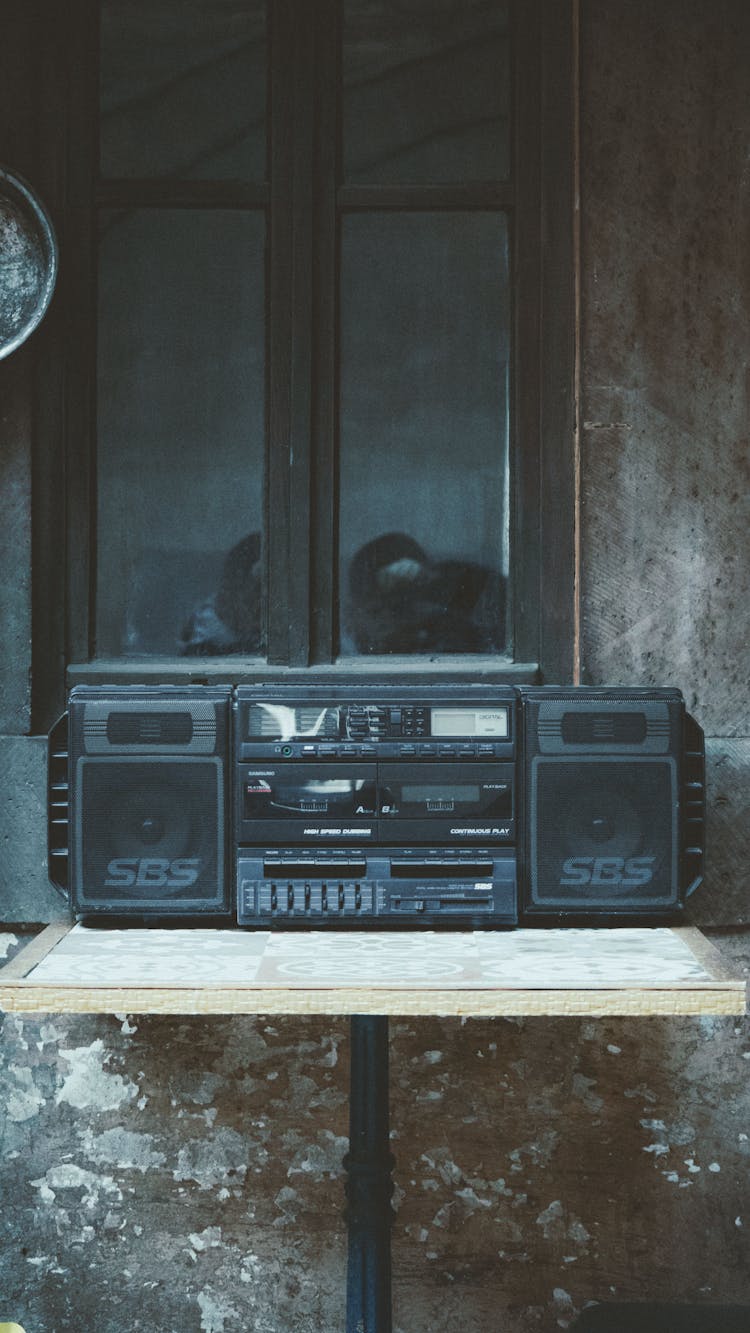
(149, 834)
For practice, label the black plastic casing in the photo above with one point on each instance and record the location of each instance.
(356, 785)
(149, 777)
(611, 803)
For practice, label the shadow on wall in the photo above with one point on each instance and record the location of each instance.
(399, 600)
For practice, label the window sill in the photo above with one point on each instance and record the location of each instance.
(244, 670)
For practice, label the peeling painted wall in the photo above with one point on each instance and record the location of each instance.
(171, 1176)
(186, 1177)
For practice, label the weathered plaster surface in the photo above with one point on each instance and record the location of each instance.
(724, 900)
(570, 1162)
(186, 1175)
(177, 1176)
(666, 359)
(25, 892)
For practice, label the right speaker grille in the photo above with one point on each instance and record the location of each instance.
(603, 833)
(603, 801)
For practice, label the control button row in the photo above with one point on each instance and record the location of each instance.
(350, 751)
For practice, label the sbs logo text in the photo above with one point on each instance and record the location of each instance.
(152, 872)
(630, 872)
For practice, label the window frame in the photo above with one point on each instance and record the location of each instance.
(302, 353)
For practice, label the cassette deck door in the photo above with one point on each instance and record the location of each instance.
(306, 802)
(451, 802)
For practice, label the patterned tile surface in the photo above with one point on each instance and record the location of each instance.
(427, 960)
(100, 957)
(553, 958)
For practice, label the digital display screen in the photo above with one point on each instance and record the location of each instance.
(411, 793)
(469, 722)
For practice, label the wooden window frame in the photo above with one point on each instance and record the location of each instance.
(302, 377)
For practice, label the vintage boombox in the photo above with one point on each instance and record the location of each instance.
(377, 805)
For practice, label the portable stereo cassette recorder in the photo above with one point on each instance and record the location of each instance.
(376, 805)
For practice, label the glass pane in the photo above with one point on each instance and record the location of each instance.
(183, 91)
(425, 327)
(426, 91)
(181, 432)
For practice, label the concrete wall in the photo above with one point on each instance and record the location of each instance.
(171, 1175)
(666, 379)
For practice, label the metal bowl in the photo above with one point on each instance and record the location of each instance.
(28, 261)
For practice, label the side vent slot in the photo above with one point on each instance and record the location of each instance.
(694, 806)
(58, 806)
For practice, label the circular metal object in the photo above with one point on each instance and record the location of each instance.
(28, 261)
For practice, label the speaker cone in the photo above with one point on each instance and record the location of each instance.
(151, 821)
(598, 822)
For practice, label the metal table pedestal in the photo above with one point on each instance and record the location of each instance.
(369, 1186)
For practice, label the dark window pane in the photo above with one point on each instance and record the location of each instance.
(424, 432)
(426, 91)
(183, 89)
(181, 432)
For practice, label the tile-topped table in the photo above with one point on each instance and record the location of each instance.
(370, 975)
(469, 973)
